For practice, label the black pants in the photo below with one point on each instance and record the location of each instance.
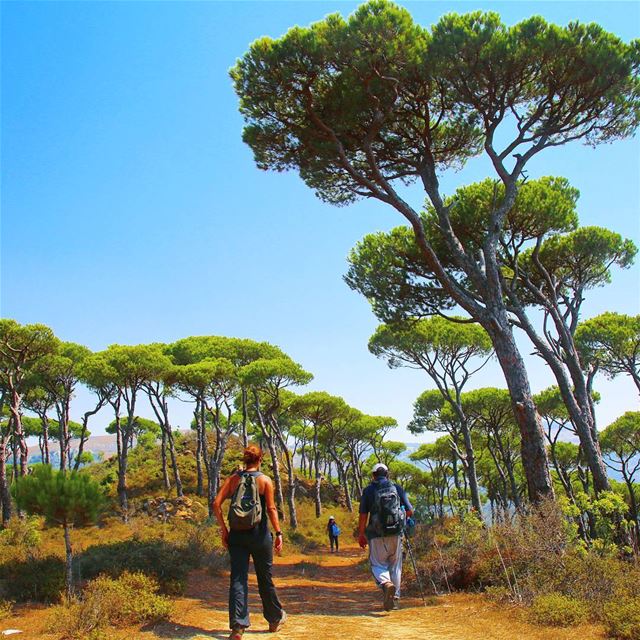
(259, 545)
(333, 540)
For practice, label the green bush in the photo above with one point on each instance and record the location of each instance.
(622, 619)
(535, 559)
(184, 547)
(128, 600)
(37, 579)
(558, 610)
(20, 535)
(169, 564)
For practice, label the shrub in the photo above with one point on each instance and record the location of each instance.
(622, 619)
(166, 552)
(128, 600)
(6, 609)
(169, 564)
(449, 553)
(500, 595)
(39, 579)
(535, 559)
(20, 536)
(558, 610)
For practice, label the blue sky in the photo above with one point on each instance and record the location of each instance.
(132, 212)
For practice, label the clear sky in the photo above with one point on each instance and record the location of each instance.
(132, 212)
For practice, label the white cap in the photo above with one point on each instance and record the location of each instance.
(331, 518)
(379, 467)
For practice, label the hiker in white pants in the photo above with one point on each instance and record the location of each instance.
(384, 506)
(385, 558)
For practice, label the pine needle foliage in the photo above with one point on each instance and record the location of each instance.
(62, 498)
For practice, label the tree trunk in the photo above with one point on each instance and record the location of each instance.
(204, 443)
(342, 478)
(291, 479)
(214, 468)
(63, 450)
(158, 400)
(455, 471)
(163, 457)
(291, 502)
(357, 474)
(277, 481)
(534, 455)
(633, 511)
(318, 499)
(213, 473)
(318, 478)
(574, 388)
(199, 485)
(245, 437)
(5, 494)
(470, 466)
(45, 439)
(174, 462)
(16, 457)
(123, 457)
(69, 562)
(19, 439)
(291, 493)
(122, 485)
(63, 424)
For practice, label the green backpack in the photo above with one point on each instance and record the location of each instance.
(245, 511)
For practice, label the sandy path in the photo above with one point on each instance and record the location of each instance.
(328, 597)
(332, 597)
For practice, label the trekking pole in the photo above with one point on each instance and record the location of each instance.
(415, 568)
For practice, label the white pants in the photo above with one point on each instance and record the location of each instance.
(385, 558)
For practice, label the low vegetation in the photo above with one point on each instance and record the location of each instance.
(537, 560)
(131, 599)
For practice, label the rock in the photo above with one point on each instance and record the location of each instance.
(11, 632)
(164, 509)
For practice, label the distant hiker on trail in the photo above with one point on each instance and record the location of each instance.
(252, 503)
(384, 507)
(333, 530)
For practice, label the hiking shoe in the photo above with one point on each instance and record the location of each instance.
(276, 626)
(396, 603)
(389, 591)
(236, 633)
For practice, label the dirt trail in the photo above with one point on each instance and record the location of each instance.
(331, 597)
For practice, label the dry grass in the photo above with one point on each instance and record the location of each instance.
(338, 602)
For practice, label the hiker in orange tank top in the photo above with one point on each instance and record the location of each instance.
(252, 507)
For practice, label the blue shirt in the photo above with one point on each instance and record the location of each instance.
(368, 499)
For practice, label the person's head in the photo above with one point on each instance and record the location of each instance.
(252, 456)
(332, 519)
(380, 471)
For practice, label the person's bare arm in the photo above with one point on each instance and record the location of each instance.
(272, 511)
(224, 493)
(362, 525)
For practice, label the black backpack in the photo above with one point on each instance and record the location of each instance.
(387, 516)
(245, 511)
